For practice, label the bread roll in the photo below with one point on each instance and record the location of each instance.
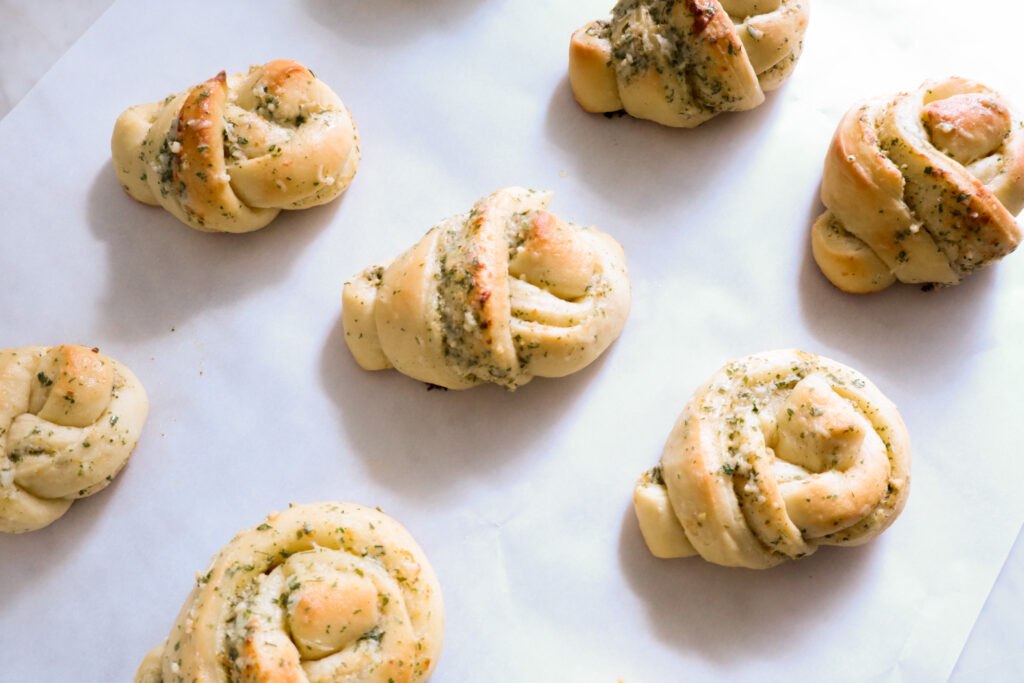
(70, 417)
(321, 592)
(921, 187)
(501, 294)
(777, 454)
(681, 63)
(229, 154)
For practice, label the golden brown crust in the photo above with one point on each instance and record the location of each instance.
(928, 217)
(228, 154)
(681, 63)
(202, 152)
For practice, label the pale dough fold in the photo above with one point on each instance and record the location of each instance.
(921, 187)
(681, 62)
(70, 417)
(501, 294)
(229, 154)
(320, 593)
(777, 454)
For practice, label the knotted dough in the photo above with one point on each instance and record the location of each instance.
(500, 294)
(777, 454)
(69, 419)
(228, 154)
(922, 187)
(320, 593)
(681, 62)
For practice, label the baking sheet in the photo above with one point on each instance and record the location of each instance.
(522, 500)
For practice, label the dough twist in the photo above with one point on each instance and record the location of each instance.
(70, 418)
(920, 187)
(228, 154)
(500, 294)
(777, 454)
(321, 592)
(681, 62)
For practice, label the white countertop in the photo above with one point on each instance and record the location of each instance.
(31, 41)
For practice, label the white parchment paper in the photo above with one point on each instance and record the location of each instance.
(522, 501)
